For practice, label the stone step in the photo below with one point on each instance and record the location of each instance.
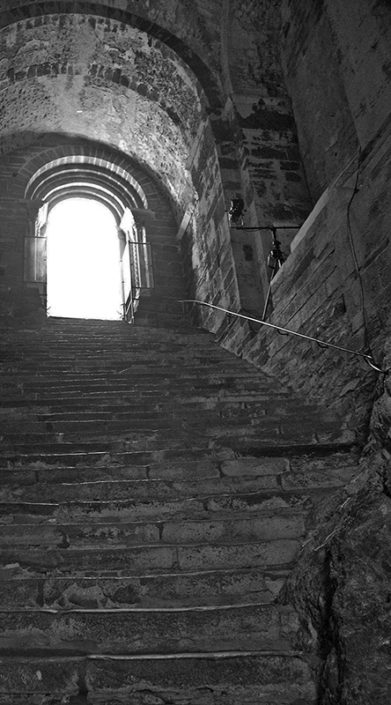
(26, 430)
(156, 399)
(140, 439)
(37, 432)
(156, 369)
(169, 354)
(40, 425)
(210, 507)
(151, 490)
(103, 457)
(207, 467)
(152, 446)
(149, 388)
(152, 559)
(45, 339)
(175, 428)
(228, 678)
(152, 359)
(305, 470)
(175, 433)
(149, 630)
(141, 457)
(238, 528)
(230, 586)
(134, 398)
(166, 354)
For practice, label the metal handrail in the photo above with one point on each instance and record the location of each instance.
(286, 331)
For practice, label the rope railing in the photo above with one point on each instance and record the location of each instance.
(286, 331)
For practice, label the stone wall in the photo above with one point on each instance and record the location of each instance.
(265, 116)
(259, 158)
(318, 291)
(341, 585)
(337, 67)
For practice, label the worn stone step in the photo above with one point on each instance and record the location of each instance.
(174, 346)
(93, 446)
(151, 558)
(151, 489)
(136, 457)
(170, 419)
(299, 470)
(152, 364)
(149, 399)
(139, 630)
(208, 357)
(40, 432)
(18, 591)
(135, 351)
(244, 446)
(168, 354)
(137, 376)
(123, 534)
(249, 678)
(175, 430)
(107, 470)
(194, 392)
(145, 405)
(156, 509)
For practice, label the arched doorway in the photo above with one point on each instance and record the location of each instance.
(83, 261)
(84, 252)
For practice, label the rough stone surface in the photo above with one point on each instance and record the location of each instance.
(341, 584)
(318, 293)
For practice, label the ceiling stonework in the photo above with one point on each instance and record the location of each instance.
(192, 21)
(103, 52)
(101, 79)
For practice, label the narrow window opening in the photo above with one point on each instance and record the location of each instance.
(83, 261)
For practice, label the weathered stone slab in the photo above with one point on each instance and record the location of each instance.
(238, 529)
(138, 489)
(242, 555)
(118, 631)
(64, 561)
(332, 477)
(267, 679)
(37, 677)
(250, 679)
(243, 467)
(17, 591)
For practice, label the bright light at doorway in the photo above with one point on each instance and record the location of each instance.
(83, 261)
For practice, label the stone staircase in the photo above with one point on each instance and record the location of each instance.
(155, 492)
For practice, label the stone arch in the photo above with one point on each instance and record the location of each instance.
(35, 12)
(82, 174)
(53, 160)
(52, 150)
